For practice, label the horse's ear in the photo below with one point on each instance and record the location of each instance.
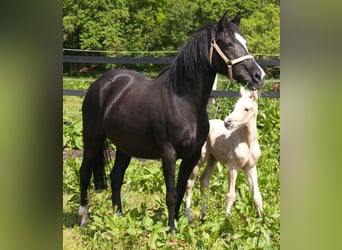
(242, 91)
(237, 19)
(223, 21)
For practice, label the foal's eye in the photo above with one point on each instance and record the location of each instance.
(246, 109)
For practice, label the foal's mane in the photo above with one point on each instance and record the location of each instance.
(193, 59)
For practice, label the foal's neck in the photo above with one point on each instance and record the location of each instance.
(251, 131)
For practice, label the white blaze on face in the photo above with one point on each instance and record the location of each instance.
(244, 44)
(241, 40)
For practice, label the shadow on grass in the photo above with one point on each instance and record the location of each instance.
(70, 219)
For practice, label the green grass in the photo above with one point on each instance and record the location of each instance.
(144, 223)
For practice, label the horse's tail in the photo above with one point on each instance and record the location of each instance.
(99, 173)
(94, 139)
(99, 170)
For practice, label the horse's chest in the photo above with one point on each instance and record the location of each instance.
(187, 141)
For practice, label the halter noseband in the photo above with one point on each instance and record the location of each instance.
(229, 62)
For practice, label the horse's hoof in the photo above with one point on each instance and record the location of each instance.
(83, 215)
(82, 221)
(172, 230)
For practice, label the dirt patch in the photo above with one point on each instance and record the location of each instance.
(67, 153)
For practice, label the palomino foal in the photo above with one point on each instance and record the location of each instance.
(233, 142)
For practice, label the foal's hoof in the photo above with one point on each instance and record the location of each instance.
(260, 213)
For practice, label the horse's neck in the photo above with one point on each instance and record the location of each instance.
(199, 90)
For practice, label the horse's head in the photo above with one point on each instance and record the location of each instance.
(229, 54)
(245, 109)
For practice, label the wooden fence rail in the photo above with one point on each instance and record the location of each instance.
(157, 60)
(143, 60)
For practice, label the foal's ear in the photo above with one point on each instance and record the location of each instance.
(237, 19)
(254, 95)
(222, 22)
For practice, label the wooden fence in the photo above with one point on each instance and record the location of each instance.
(157, 60)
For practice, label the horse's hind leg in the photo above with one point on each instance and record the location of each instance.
(93, 156)
(92, 161)
(251, 174)
(117, 175)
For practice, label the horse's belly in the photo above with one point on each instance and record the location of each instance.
(135, 146)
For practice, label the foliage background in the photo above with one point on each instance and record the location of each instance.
(164, 25)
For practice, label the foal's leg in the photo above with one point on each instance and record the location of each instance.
(192, 179)
(189, 186)
(252, 177)
(184, 172)
(205, 182)
(231, 195)
(117, 175)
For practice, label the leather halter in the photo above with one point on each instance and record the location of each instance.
(229, 62)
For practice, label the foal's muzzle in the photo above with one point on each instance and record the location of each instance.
(228, 123)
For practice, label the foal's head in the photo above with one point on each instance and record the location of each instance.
(246, 108)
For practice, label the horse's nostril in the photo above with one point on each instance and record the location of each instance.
(257, 76)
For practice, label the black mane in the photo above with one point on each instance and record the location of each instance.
(193, 59)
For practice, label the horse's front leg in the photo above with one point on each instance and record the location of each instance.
(169, 158)
(117, 175)
(85, 175)
(185, 170)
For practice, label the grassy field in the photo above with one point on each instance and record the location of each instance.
(144, 223)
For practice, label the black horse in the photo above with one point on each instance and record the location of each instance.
(163, 118)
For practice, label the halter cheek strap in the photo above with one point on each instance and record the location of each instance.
(229, 62)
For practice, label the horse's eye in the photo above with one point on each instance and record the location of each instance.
(246, 109)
